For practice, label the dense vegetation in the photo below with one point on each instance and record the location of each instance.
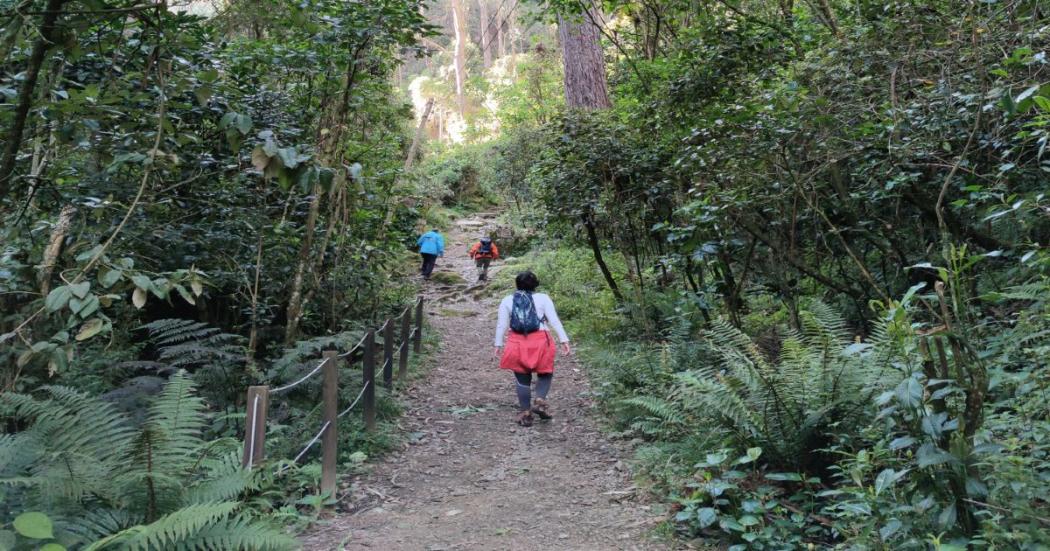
(804, 244)
(807, 244)
(214, 198)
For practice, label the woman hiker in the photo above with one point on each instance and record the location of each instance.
(431, 246)
(530, 348)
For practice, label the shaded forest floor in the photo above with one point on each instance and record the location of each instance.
(468, 477)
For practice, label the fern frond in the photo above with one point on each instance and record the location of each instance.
(663, 410)
(224, 479)
(823, 324)
(166, 332)
(239, 533)
(178, 412)
(99, 522)
(167, 447)
(73, 442)
(168, 531)
(185, 343)
(1029, 292)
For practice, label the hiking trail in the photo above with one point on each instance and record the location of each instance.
(468, 477)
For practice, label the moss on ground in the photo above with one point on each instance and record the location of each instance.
(447, 278)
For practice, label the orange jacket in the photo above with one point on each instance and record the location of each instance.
(477, 246)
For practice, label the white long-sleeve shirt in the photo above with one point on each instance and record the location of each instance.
(544, 310)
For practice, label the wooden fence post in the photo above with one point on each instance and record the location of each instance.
(330, 440)
(419, 326)
(388, 354)
(406, 332)
(369, 372)
(255, 426)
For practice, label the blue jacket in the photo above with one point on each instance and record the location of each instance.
(431, 243)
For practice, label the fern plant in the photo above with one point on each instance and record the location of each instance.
(820, 385)
(184, 343)
(654, 417)
(157, 486)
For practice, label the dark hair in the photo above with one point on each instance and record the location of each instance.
(526, 281)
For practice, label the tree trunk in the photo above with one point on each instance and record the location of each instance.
(592, 238)
(418, 138)
(409, 160)
(25, 95)
(331, 155)
(459, 23)
(826, 15)
(501, 39)
(486, 33)
(54, 248)
(585, 84)
(295, 299)
(508, 37)
(253, 334)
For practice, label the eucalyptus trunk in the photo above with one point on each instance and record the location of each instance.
(459, 23)
(486, 33)
(585, 84)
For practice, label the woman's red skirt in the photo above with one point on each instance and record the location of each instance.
(532, 353)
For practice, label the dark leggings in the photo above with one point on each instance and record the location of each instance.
(524, 388)
(428, 263)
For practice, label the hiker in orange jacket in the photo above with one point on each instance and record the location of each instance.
(484, 252)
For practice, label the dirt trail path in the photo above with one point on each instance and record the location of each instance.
(470, 479)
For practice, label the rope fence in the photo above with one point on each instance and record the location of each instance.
(410, 341)
(306, 448)
(354, 348)
(300, 381)
(356, 400)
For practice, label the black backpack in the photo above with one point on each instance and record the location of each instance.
(523, 317)
(486, 248)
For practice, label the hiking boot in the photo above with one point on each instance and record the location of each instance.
(542, 408)
(525, 418)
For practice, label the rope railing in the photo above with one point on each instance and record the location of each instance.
(355, 347)
(306, 448)
(300, 381)
(259, 396)
(356, 400)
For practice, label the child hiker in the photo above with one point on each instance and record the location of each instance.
(431, 246)
(530, 348)
(484, 252)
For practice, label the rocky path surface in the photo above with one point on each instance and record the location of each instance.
(471, 479)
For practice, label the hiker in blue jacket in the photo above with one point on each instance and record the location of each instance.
(431, 246)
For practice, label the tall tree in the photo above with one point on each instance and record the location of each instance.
(24, 103)
(501, 37)
(586, 88)
(585, 84)
(459, 23)
(486, 33)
